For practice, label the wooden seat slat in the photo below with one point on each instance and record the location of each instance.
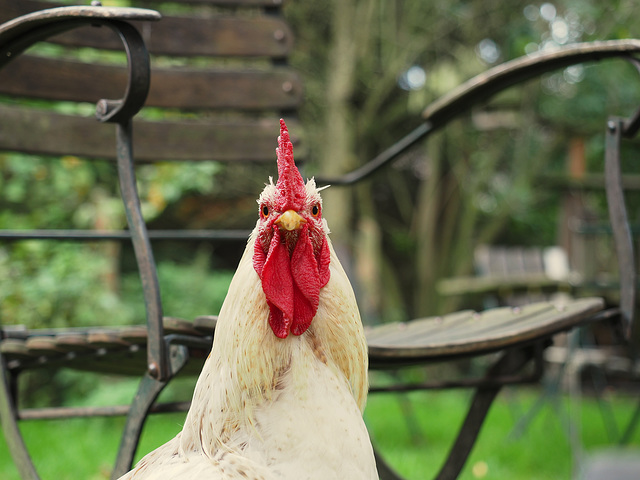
(426, 326)
(73, 342)
(488, 322)
(14, 348)
(43, 345)
(106, 339)
(179, 326)
(505, 327)
(136, 335)
(120, 362)
(277, 88)
(205, 324)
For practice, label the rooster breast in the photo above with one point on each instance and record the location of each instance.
(270, 408)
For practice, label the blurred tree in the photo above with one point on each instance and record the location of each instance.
(370, 68)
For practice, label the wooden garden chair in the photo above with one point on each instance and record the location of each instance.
(618, 462)
(232, 95)
(519, 334)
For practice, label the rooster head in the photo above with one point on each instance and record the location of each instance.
(291, 253)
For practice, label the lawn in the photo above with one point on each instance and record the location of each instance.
(415, 443)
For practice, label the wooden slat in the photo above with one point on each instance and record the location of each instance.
(279, 88)
(45, 133)
(42, 132)
(220, 36)
(56, 79)
(108, 339)
(121, 362)
(392, 332)
(34, 77)
(508, 283)
(225, 35)
(136, 335)
(179, 326)
(470, 333)
(13, 348)
(246, 141)
(215, 3)
(73, 342)
(222, 3)
(44, 345)
(205, 324)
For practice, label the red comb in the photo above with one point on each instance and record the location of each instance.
(290, 183)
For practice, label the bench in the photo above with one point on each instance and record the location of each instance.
(513, 275)
(216, 95)
(244, 113)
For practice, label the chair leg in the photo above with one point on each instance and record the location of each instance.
(9, 421)
(385, 472)
(148, 391)
(631, 427)
(511, 362)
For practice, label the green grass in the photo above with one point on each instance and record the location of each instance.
(416, 448)
(415, 443)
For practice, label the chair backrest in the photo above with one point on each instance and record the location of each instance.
(219, 85)
(220, 63)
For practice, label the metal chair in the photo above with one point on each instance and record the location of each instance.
(157, 351)
(521, 334)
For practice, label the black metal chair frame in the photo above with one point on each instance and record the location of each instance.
(15, 37)
(506, 370)
(167, 354)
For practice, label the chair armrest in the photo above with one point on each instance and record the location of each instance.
(20, 33)
(499, 78)
(482, 87)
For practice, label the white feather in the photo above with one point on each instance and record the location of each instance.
(270, 408)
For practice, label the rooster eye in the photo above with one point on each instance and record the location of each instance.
(315, 210)
(265, 211)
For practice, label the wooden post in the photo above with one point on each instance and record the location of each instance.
(573, 207)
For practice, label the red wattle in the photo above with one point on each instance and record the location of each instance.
(323, 262)
(304, 268)
(292, 284)
(277, 322)
(277, 284)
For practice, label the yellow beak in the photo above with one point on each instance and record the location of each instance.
(290, 221)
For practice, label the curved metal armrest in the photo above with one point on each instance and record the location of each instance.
(485, 85)
(482, 87)
(15, 37)
(22, 32)
(18, 34)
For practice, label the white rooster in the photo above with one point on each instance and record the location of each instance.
(282, 393)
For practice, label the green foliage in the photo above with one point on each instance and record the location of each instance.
(52, 284)
(163, 184)
(187, 290)
(57, 285)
